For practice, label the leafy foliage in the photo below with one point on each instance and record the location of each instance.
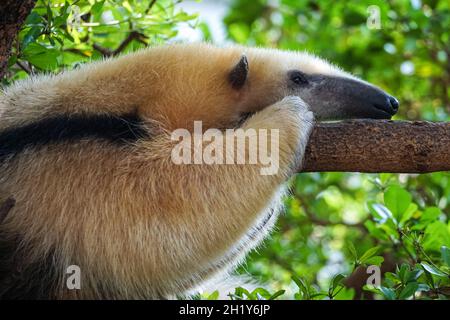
(336, 224)
(61, 34)
(325, 237)
(408, 56)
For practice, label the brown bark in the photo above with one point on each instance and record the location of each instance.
(379, 146)
(12, 14)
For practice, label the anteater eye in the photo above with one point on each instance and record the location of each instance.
(298, 77)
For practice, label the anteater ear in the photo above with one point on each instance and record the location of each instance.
(238, 75)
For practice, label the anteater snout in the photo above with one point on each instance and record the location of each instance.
(389, 104)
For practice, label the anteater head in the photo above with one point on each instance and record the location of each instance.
(267, 75)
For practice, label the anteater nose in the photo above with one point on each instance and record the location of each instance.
(394, 103)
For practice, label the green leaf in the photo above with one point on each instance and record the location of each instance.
(408, 290)
(369, 254)
(390, 228)
(375, 231)
(433, 270)
(213, 296)
(239, 32)
(63, 10)
(376, 260)
(240, 292)
(206, 31)
(380, 213)
(408, 213)
(127, 6)
(303, 287)
(352, 250)
(12, 60)
(445, 253)
(345, 294)
(385, 177)
(40, 56)
(318, 294)
(97, 7)
(402, 272)
(277, 294)
(33, 18)
(430, 214)
(260, 293)
(184, 16)
(298, 296)
(423, 287)
(413, 275)
(391, 279)
(49, 12)
(59, 20)
(397, 200)
(436, 235)
(388, 293)
(371, 288)
(68, 36)
(31, 36)
(337, 279)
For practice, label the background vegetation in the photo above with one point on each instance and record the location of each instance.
(336, 224)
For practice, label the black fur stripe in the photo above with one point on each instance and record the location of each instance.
(71, 128)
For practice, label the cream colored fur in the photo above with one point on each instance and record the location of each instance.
(138, 225)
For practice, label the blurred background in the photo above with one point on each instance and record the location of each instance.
(336, 224)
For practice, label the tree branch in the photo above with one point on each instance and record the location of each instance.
(133, 35)
(24, 67)
(379, 146)
(150, 5)
(12, 14)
